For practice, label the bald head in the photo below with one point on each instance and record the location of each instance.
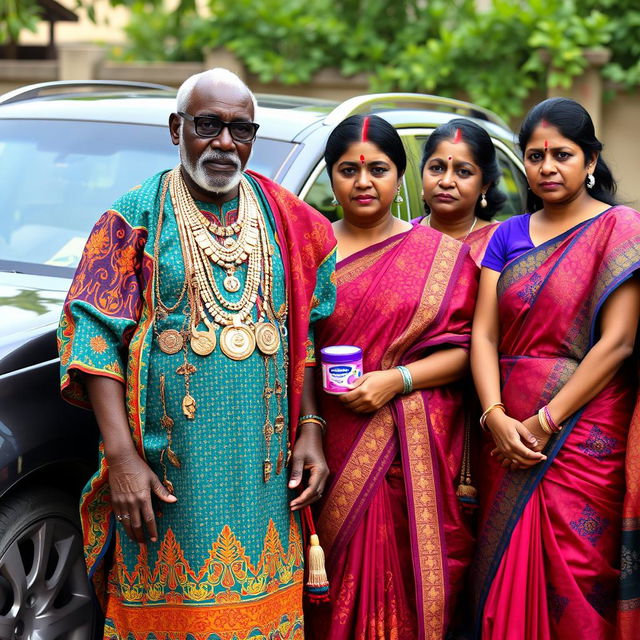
(217, 77)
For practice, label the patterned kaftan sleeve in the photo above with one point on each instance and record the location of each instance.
(104, 304)
(323, 302)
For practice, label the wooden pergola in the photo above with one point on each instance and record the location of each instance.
(53, 12)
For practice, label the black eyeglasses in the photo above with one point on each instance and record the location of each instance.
(211, 127)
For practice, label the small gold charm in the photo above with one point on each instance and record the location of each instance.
(279, 463)
(189, 407)
(231, 283)
(170, 341)
(168, 485)
(173, 458)
(268, 429)
(286, 464)
(166, 422)
(267, 468)
(185, 369)
(279, 424)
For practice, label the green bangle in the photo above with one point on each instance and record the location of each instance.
(407, 380)
(320, 419)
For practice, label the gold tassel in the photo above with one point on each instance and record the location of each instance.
(317, 586)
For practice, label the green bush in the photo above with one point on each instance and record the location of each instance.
(446, 47)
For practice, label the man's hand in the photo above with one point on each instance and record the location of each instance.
(373, 390)
(132, 482)
(308, 456)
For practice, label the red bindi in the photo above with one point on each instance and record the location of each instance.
(365, 130)
(546, 145)
(449, 158)
(361, 159)
(457, 137)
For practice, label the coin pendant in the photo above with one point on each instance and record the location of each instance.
(170, 341)
(231, 284)
(267, 338)
(203, 342)
(237, 342)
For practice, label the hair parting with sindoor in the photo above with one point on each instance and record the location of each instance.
(377, 130)
(484, 155)
(574, 123)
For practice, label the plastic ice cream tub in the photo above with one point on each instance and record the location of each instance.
(341, 367)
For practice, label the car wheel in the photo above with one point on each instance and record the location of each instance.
(44, 590)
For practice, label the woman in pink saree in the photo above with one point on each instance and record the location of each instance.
(396, 542)
(559, 545)
(460, 176)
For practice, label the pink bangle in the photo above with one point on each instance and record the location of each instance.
(554, 427)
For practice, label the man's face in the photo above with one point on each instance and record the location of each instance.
(213, 165)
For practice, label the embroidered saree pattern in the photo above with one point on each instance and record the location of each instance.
(229, 560)
(393, 568)
(548, 561)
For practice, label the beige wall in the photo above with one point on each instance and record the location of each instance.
(621, 137)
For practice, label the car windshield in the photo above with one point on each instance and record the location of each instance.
(58, 176)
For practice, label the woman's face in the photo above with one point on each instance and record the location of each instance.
(365, 182)
(452, 180)
(555, 165)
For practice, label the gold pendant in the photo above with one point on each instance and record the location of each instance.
(267, 468)
(173, 458)
(237, 342)
(189, 407)
(279, 424)
(170, 341)
(168, 485)
(267, 338)
(279, 463)
(231, 283)
(203, 342)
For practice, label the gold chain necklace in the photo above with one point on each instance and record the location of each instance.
(471, 228)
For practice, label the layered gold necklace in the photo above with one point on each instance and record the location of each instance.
(205, 247)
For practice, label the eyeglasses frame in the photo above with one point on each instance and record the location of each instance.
(223, 124)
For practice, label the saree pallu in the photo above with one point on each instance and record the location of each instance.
(396, 542)
(558, 551)
(478, 241)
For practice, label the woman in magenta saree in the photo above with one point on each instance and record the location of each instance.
(559, 545)
(396, 543)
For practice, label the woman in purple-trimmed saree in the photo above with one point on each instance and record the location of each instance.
(396, 542)
(559, 543)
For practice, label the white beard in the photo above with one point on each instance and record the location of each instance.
(217, 183)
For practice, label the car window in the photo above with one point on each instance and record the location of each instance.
(59, 176)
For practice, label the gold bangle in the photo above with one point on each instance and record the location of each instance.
(313, 421)
(490, 408)
(542, 419)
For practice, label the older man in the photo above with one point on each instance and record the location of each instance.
(186, 329)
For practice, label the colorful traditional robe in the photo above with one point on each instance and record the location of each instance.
(228, 564)
(559, 544)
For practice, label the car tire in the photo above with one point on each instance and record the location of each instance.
(44, 590)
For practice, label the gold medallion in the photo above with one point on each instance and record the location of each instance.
(170, 341)
(203, 342)
(267, 338)
(237, 342)
(231, 283)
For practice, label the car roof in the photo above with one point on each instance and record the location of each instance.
(143, 103)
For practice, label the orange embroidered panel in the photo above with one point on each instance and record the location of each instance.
(277, 615)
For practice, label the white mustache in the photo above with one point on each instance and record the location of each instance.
(220, 156)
